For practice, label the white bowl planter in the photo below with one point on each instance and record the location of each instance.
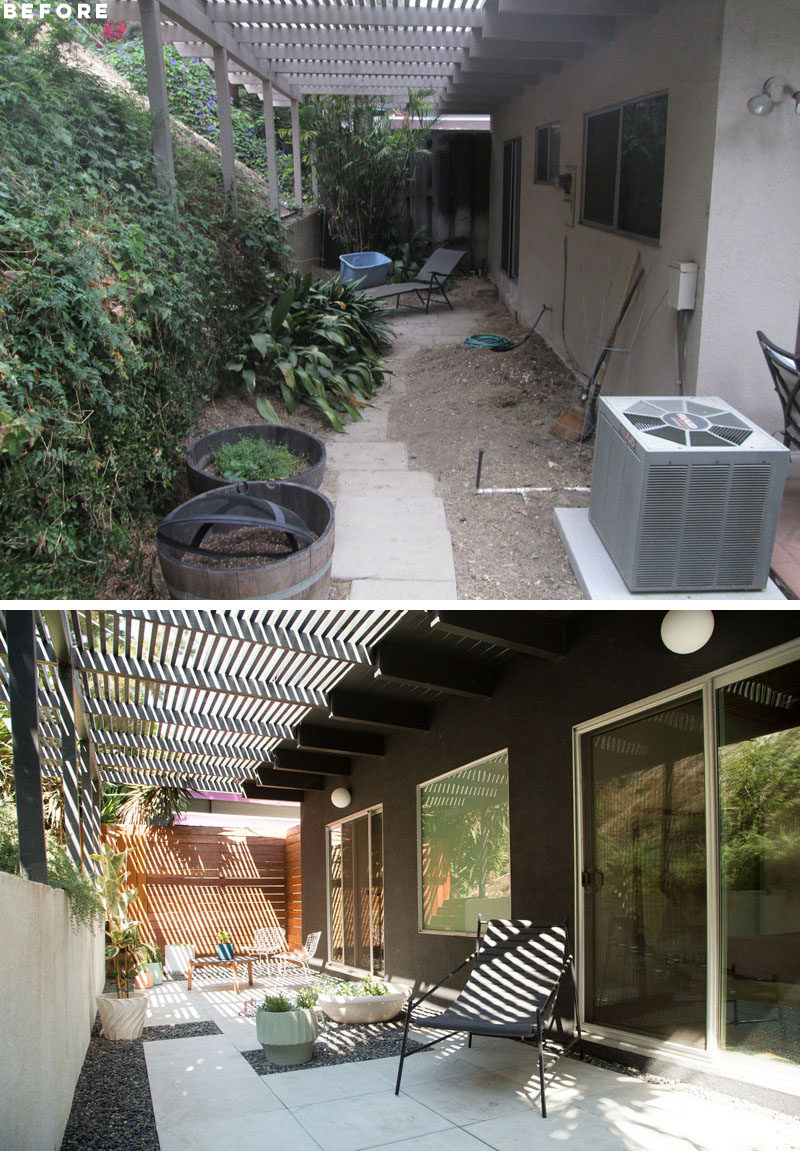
(177, 956)
(363, 1008)
(122, 1018)
(287, 1036)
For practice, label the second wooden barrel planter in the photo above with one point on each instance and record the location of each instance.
(249, 541)
(200, 454)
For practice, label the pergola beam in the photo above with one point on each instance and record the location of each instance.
(431, 670)
(338, 741)
(384, 712)
(24, 712)
(352, 15)
(293, 759)
(519, 631)
(213, 722)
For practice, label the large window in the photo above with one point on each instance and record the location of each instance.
(509, 239)
(623, 167)
(464, 863)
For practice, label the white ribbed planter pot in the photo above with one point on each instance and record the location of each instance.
(122, 1018)
(363, 1008)
(287, 1036)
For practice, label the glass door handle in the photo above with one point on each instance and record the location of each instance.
(592, 878)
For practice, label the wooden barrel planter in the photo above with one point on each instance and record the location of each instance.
(200, 454)
(197, 543)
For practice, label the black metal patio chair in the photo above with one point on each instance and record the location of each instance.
(784, 368)
(432, 277)
(511, 991)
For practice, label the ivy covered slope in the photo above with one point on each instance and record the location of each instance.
(117, 315)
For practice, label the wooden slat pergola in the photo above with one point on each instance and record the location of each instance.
(470, 54)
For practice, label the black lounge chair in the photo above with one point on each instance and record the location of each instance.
(784, 368)
(511, 992)
(432, 277)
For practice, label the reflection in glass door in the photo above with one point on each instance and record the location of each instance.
(355, 885)
(644, 874)
(759, 766)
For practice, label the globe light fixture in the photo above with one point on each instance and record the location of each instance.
(686, 631)
(340, 797)
(774, 91)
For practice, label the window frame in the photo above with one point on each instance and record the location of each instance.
(551, 177)
(511, 202)
(620, 109)
(421, 929)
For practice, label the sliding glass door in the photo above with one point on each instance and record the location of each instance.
(690, 864)
(645, 883)
(355, 891)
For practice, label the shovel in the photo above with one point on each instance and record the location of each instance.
(576, 422)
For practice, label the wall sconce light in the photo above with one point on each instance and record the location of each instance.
(686, 631)
(340, 797)
(775, 90)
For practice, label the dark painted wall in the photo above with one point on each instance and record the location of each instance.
(615, 658)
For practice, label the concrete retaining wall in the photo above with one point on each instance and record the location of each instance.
(50, 974)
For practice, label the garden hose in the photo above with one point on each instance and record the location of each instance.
(503, 343)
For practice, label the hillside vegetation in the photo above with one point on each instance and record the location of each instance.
(117, 315)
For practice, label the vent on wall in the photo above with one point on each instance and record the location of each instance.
(685, 494)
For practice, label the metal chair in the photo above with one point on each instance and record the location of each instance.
(432, 277)
(511, 992)
(306, 952)
(784, 368)
(269, 942)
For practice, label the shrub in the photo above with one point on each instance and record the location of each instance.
(306, 997)
(253, 459)
(85, 904)
(321, 344)
(276, 1003)
(116, 315)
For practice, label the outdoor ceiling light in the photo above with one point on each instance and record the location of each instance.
(776, 89)
(686, 631)
(340, 797)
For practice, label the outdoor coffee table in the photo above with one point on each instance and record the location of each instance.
(215, 961)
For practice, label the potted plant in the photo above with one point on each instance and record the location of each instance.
(121, 1015)
(154, 961)
(286, 1031)
(224, 945)
(368, 1000)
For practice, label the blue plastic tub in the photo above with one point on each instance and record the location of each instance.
(369, 268)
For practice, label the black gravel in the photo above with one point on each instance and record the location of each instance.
(111, 1108)
(342, 1043)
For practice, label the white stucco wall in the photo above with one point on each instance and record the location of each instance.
(676, 50)
(753, 259)
(49, 974)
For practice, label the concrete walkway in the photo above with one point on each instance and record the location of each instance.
(392, 539)
(207, 1096)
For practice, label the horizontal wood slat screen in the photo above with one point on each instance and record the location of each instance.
(294, 893)
(195, 881)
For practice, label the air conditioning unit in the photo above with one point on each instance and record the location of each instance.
(685, 493)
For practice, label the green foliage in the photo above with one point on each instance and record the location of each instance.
(139, 804)
(223, 937)
(192, 98)
(277, 1003)
(116, 315)
(252, 459)
(365, 167)
(122, 933)
(366, 986)
(306, 997)
(85, 906)
(321, 344)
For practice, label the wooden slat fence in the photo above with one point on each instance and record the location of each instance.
(195, 881)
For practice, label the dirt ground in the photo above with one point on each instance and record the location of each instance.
(456, 399)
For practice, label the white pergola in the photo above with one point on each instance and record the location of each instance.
(471, 54)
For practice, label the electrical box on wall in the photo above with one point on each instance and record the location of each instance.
(682, 286)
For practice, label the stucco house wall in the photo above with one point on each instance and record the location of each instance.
(753, 258)
(727, 187)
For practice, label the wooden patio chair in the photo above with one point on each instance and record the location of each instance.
(511, 991)
(432, 277)
(784, 367)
